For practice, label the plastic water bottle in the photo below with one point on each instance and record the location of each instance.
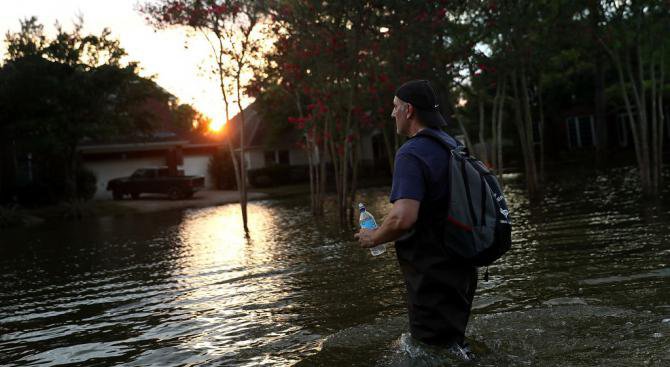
(368, 222)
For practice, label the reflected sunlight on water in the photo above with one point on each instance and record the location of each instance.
(233, 290)
(216, 236)
(585, 284)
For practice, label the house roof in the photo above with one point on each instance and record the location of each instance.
(256, 136)
(130, 147)
(256, 133)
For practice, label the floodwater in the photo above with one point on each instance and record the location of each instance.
(587, 283)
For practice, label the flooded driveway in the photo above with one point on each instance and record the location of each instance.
(587, 283)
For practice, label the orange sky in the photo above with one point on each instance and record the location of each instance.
(160, 53)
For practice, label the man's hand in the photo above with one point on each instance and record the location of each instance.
(365, 236)
(400, 220)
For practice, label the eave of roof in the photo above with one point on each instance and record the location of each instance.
(131, 147)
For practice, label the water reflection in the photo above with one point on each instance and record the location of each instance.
(216, 237)
(586, 283)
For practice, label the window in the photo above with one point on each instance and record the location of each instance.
(276, 157)
(269, 158)
(581, 132)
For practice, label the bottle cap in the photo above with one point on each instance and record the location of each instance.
(361, 207)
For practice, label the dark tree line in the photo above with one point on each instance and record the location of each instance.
(505, 69)
(55, 94)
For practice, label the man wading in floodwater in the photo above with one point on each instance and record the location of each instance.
(439, 289)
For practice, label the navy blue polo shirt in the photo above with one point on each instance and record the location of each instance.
(421, 166)
(440, 289)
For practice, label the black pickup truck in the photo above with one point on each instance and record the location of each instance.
(156, 181)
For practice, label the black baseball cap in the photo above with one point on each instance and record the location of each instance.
(420, 94)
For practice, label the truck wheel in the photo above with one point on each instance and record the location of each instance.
(135, 195)
(117, 195)
(174, 193)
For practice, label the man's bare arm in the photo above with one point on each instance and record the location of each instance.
(402, 217)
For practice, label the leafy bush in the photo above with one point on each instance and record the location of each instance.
(10, 216)
(76, 209)
(222, 171)
(37, 194)
(87, 184)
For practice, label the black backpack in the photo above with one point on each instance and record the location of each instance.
(478, 226)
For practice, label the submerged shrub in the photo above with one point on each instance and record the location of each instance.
(11, 216)
(76, 209)
(222, 171)
(87, 184)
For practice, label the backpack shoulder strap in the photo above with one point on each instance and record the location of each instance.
(430, 133)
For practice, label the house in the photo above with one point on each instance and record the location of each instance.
(108, 160)
(258, 151)
(111, 160)
(262, 150)
(580, 131)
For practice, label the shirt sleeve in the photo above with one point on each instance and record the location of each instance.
(408, 179)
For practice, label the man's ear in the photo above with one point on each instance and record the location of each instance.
(410, 110)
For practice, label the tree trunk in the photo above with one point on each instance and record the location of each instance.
(531, 169)
(309, 149)
(629, 110)
(600, 102)
(355, 162)
(519, 120)
(661, 120)
(482, 142)
(243, 171)
(322, 165)
(390, 153)
(390, 150)
(335, 160)
(654, 128)
(342, 198)
(310, 166)
(466, 136)
(3, 177)
(639, 95)
(602, 132)
(233, 157)
(494, 125)
(501, 110)
(541, 131)
(220, 69)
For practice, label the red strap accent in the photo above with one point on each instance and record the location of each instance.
(458, 224)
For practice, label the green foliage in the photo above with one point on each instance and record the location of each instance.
(57, 92)
(220, 168)
(187, 119)
(11, 216)
(86, 184)
(76, 209)
(275, 109)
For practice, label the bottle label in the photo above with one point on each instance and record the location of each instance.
(368, 224)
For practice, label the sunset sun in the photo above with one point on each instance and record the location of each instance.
(216, 125)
